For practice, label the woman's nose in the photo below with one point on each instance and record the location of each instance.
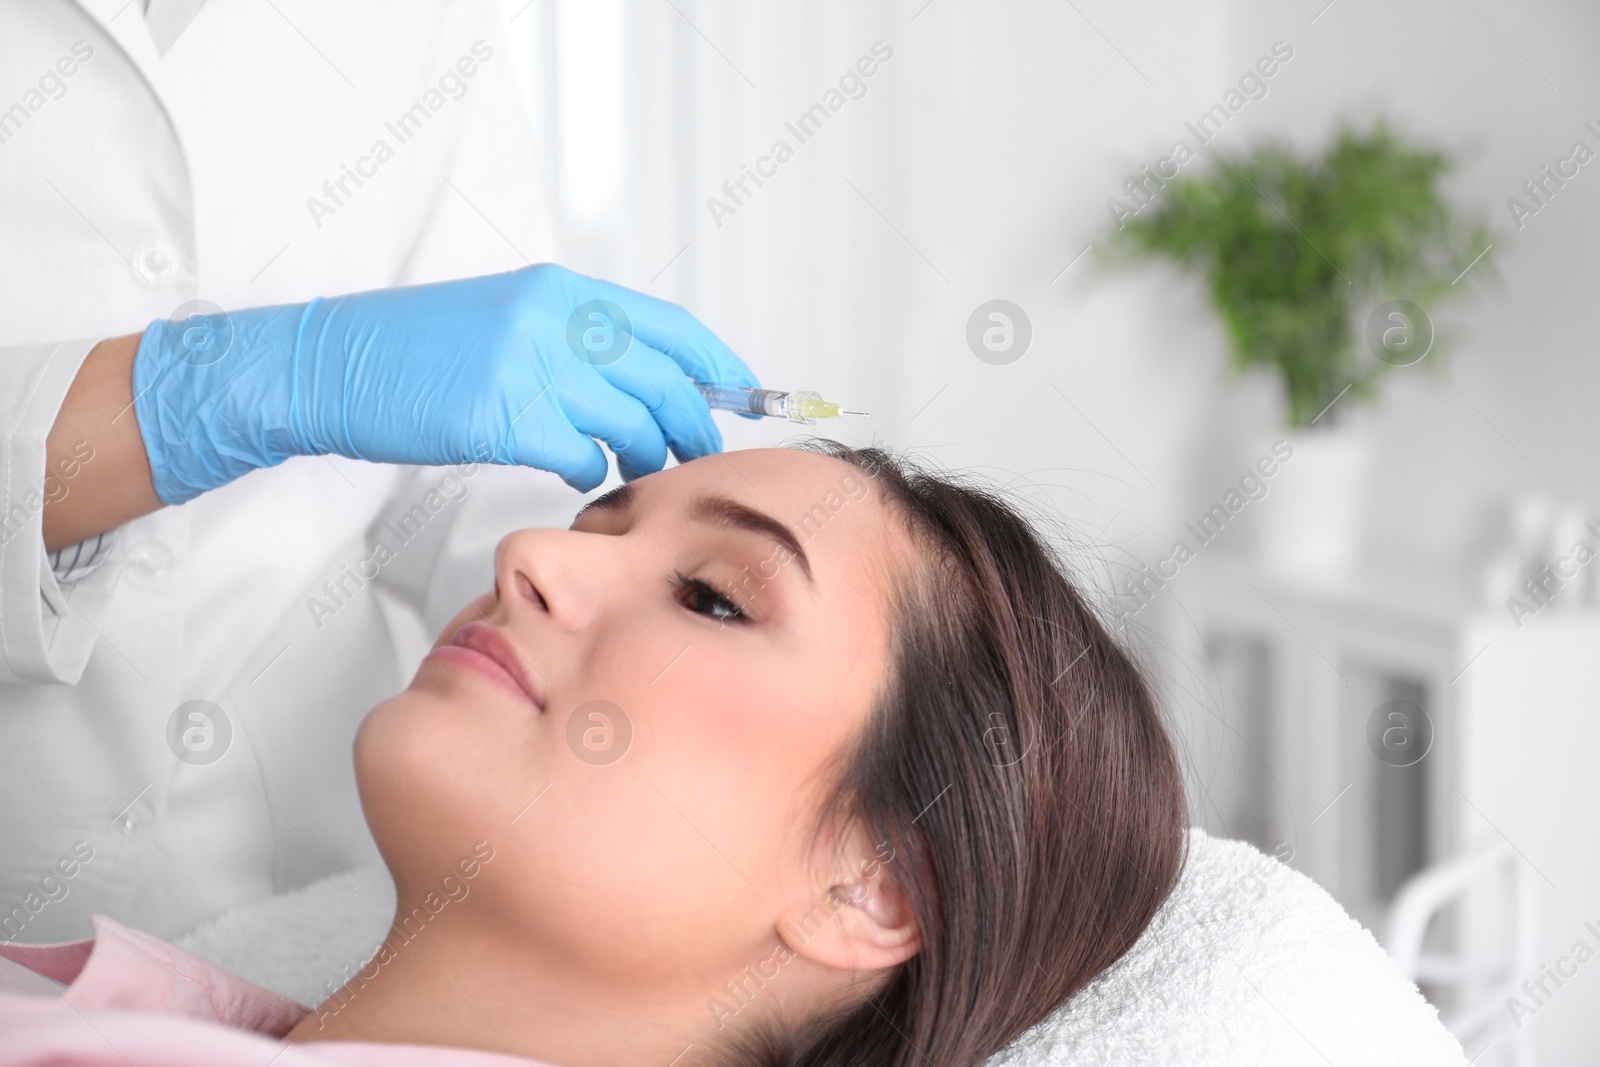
(551, 572)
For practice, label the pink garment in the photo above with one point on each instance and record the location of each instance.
(133, 1000)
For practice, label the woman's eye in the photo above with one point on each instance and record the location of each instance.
(703, 599)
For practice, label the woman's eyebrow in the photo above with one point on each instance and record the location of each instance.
(726, 511)
(618, 499)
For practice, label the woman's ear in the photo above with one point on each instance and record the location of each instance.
(861, 922)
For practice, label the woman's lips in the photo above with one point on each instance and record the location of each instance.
(480, 646)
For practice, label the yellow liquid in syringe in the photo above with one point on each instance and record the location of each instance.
(796, 405)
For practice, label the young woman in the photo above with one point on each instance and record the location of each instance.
(777, 757)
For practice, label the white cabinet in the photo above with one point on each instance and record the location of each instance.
(1272, 680)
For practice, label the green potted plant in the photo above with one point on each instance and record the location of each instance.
(1323, 271)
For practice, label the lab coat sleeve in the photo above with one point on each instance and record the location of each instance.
(48, 625)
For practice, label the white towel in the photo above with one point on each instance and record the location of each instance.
(1248, 962)
(299, 942)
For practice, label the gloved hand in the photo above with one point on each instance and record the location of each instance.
(526, 367)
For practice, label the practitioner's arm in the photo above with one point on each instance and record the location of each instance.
(532, 367)
(115, 485)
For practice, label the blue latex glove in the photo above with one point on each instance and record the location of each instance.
(527, 367)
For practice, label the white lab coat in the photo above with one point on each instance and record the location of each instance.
(131, 181)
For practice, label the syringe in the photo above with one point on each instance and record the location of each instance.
(799, 405)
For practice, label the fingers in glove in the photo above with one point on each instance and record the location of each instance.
(668, 329)
(677, 407)
(542, 436)
(598, 408)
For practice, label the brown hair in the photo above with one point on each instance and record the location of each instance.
(1019, 770)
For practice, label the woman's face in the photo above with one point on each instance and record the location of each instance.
(699, 647)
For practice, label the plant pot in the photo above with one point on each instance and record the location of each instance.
(1315, 519)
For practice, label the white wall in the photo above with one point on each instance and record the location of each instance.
(1477, 78)
(1468, 77)
(991, 143)
(976, 167)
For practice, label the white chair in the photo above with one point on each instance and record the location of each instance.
(1476, 987)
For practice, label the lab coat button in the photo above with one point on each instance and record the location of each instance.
(155, 261)
(149, 560)
(139, 814)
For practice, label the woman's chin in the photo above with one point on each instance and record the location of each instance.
(412, 780)
(381, 738)
(427, 783)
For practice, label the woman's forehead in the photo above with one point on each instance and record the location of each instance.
(785, 482)
(828, 505)
(781, 470)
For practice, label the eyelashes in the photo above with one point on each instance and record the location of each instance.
(703, 598)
